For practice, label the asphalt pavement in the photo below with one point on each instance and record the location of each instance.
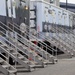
(63, 67)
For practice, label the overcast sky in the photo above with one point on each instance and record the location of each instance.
(69, 1)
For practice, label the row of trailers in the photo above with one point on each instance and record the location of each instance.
(47, 14)
(32, 34)
(38, 15)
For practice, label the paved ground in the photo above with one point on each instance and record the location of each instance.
(63, 67)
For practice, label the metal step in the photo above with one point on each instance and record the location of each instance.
(6, 68)
(61, 46)
(14, 53)
(68, 48)
(36, 48)
(26, 42)
(32, 53)
(1, 61)
(18, 59)
(45, 55)
(30, 35)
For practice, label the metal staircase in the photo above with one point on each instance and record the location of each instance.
(60, 43)
(6, 68)
(66, 40)
(70, 39)
(23, 51)
(37, 49)
(15, 55)
(65, 44)
(31, 55)
(37, 40)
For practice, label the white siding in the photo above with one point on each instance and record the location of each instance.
(3, 7)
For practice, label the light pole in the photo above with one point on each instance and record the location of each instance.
(66, 4)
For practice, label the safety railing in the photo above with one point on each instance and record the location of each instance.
(64, 38)
(14, 45)
(27, 42)
(70, 37)
(57, 33)
(34, 37)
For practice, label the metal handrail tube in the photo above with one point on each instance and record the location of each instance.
(69, 33)
(36, 38)
(48, 39)
(6, 50)
(10, 42)
(66, 42)
(48, 47)
(36, 48)
(4, 56)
